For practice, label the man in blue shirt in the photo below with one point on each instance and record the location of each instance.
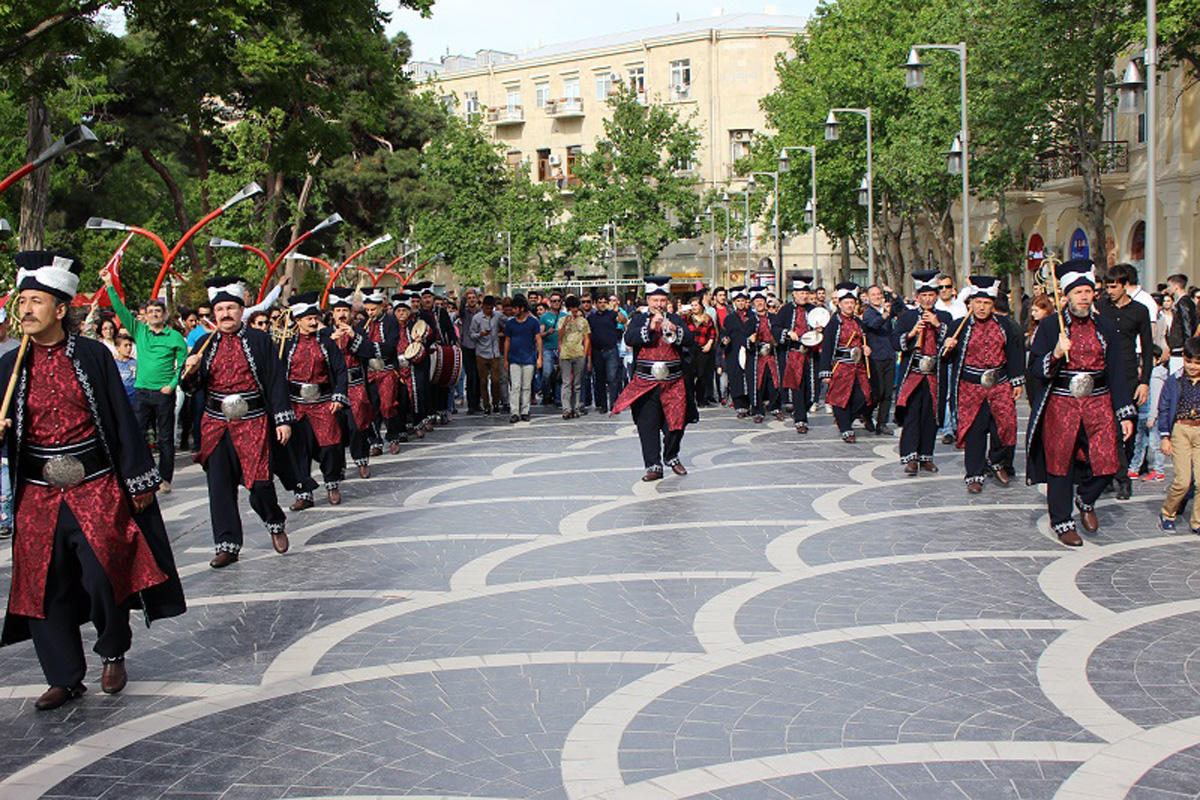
(604, 323)
(551, 388)
(879, 323)
(522, 354)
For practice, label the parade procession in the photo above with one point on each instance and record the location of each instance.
(657, 412)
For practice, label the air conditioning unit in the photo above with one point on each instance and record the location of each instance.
(554, 161)
(743, 136)
(614, 77)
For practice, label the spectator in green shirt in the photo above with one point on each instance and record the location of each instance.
(161, 352)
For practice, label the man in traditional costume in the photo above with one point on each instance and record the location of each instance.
(921, 336)
(356, 352)
(735, 337)
(843, 364)
(762, 363)
(798, 360)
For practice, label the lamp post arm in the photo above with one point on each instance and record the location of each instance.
(16, 176)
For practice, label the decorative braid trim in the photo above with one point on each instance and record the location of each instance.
(1082, 506)
(825, 373)
(846, 435)
(275, 527)
(1059, 528)
(997, 467)
(906, 458)
(331, 485)
(672, 462)
(285, 417)
(338, 397)
(361, 462)
(143, 483)
(229, 547)
(1048, 362)
(112, 659)
(973, 479)
(302, 496)
(1017, 380)
(1127, 412)
(925, 459)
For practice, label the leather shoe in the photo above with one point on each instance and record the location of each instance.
(394, 448)
(948, 438)
(335, 497)
(850, 438)
(376, 450)
(1089, 520)
(301, 504)
(1070, 538)
(929, 466)
(802, 428)
(113, 678)
(974, 488)
(1002, 477)
(758, 417)
(1124, 490)
(678, 468)
(910, 468)
(869, 424)
(653, 474)
(280, 542)
(364, 471)
(223, 559)
(55, 696)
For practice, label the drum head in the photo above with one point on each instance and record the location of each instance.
(413, 351)
(742, 357)
(419, 330)
(810, 338)
(818, 317)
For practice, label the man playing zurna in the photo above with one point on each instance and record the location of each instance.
(356, 352)
(762, 365)
(1071, 444)
(246, 405)
(658, 393)
(797, 360)
(735, 338)
(987, 378)
(88, 538)
(922, 334)
(317, 388)
(383, 332)
(844, 353)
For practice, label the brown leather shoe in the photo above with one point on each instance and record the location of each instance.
(850, 438)
(1070, 538)
(280, 542)
(742, 414)
(929, 466)
(113, 678)
(223, 559)
(335, 497)
(1089, 520)
(394, 448)
(376, 450)
(910, 468)
(364, 471)
(802, 428)
(758, 417)
(301, 504)
(1002, 477)
(678, 468)
(56, 696)
(974, 488)
(653, 474)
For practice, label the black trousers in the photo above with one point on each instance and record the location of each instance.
(76, 578)
(224, 473)
(844, 417)
(471, 372)
(357, 440)
(801, 398)
(1059, 493)
(883, 386)
(606, 364)
(919, 433)
(702, 384)
(304, 449)
(767, 397)
(151, 404)
(187, 421)
(982, 449)
(658, 442)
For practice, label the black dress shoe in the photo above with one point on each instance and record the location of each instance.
(223, 559)
(514, 418)
(524, 418)
(869, 424)
(56, 696)
(1124, 490)
(948, 438)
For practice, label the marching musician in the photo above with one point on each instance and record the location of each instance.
(246, 405)
(383, 384)
(356, 352)
(441, 332)
(1072, 439)
(317, 388)
(843, 363)
(88, 538)
(762, 365)
(797, 359)
(409, 419)
(922, 335)
(658, 394)
(987, 378)
(735, 337)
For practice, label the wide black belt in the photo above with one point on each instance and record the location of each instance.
(1079, 383)
(796, 345)
(980, 375)
(846, 355)
(301, 393)
(659, 370)
(924, 363)
(64, 466)
(235, 405)
(355, 375)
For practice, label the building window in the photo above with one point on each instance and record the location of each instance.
(681, 79)
(571, 88)
(604, 85)
(471, 102)
(574, 152)
(1141, 128)
(543, 164)
(739, 144)
(513, 157)
(450, 103)
(541, 95)
(637, 82)
(512, 98)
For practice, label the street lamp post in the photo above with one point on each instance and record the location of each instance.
(831, 134)
(778, 240)
(1132, 91)
(506, 237)
(76, 137)
(609, 229)
(712, 243)
(725, 201)
(810, 210)
(959, 154)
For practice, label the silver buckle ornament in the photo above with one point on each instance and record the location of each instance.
(1081, 385)
(310, 392)
(660, 371)
(234, 407)
(63, 472)
(989, 378)
(376, 364)
(856, 354)
(926, 365)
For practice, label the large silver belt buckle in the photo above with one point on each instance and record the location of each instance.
(63, 472)
(310, 392)
(856, 354)
(764, 349)
(402, 362)
(376, 365)
(234, 406)
(1081, 385)
(660, 371)
(989, 378)
(926, 365)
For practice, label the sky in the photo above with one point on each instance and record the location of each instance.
(464, 26)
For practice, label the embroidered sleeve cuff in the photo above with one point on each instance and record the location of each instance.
(825, 373)
(1049, 364)
(287, 417)
(1127, 412)
(356, 343)
(644, 333)
(146, 482)
(338, 397)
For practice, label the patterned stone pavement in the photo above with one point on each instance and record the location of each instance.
(508, 612)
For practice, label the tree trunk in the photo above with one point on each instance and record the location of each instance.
(844, 267)
(301, 202)
(1091, 169)
(181, 215)
(35, 189)
(202, 165)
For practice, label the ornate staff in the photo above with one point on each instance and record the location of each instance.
(283, 331)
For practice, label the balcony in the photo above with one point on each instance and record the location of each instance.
(507, 115)
(1061, 164)
(565, 108)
